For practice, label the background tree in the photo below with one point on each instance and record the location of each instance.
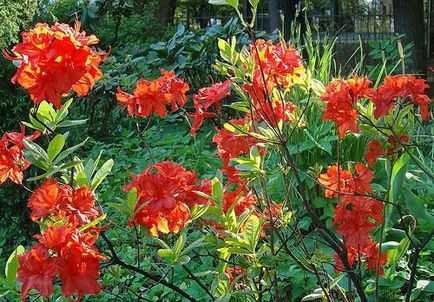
(409, 20)
(288, 10)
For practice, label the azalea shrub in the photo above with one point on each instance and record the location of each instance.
(324, 190)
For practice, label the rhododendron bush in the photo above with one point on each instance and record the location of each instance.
(329, 182)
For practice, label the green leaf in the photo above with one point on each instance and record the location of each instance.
(46, 112)
(233, 3)
(416, 206)
(12, 265)
(217, 2)
(183, 260)
(394, 255)
(198, 211)
(101, 174)
(252, 230)
(167, 254)
(72, 123)
(217, 191)
(93, 223)
(179, 245)
(63, 112)
(69, 151)
(35, 149)
(397, 178)
(55, 146)
(131, 201)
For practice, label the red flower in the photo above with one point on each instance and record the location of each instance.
(212, 95)
(56, 60)
(373, 152)
(371, 253)
(16, 138)
(241, 198)
(56, 237)
(273, 111)
(12, 164)
(404, 87)
(198, 117)
(363, 179)
(232, 272)
(341, 97)
(45, 200)
(77, 205)
(403, 139)
(12, 161)
(368, 253)
(153, 97)
(163, 190)
(351, 256)
(231, 144)
(330, 181)
(355, 217)
(79, 270)
(280, 62)
(36, 271)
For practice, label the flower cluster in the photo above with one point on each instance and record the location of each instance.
(273, 65)
(154, 96)
(164, 191)
(235, 142)
(12, 161)
(56, 60)
(404, 88)
(375, 149)
(204, 99)
(342, 96)
(66, 248)
(356, 214)
(278, 63)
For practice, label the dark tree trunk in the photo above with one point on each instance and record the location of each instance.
(166, 11)
(247, 11)
(274, 14)
(287, 7)
(335, 12)
(409, 20)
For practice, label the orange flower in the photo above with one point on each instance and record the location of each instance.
(212, 95)
(355, 217)
(363, 179)
(198, 117)
(36, 271)
(77, 205)
(55, 61)
(66, 252)
(12, 161)
(404, 87)
(164, 190)
(232, 272)
(79, 269)
(46, 199)
(279, 62)
(266, 108)
(153, 97)
(12, 164)
(16, 138)
(232, 145)
(341, 97)
(373, 152)
(330, 181)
